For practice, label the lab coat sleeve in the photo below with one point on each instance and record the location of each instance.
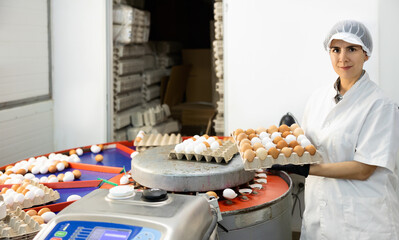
(378, 140)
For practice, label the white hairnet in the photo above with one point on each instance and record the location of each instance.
(352, 32)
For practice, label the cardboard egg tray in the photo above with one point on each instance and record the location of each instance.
(224, 154)
(18, 225)
(49, 196)
(306, 158)
(155, 140)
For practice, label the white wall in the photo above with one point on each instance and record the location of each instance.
(274, 55)
(79, 72)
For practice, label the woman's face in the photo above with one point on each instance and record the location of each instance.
(347, 59)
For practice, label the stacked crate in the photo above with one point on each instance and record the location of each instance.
(218, 64)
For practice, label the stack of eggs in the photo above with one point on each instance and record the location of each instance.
(272, 141)
(198, 144)
(43, 216)
(18, 193)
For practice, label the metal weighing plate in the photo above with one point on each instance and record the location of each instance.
(153, 169)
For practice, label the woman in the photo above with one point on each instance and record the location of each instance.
(353, 194)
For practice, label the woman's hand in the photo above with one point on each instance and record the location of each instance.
(344, 170)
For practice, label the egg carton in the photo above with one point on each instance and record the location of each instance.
(306, 158)
(18, 225)
(223, 154)
(50, 195)
(155, 140)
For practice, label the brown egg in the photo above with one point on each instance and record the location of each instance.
(20, 189)
(206, 136)
(212, 194)
(272, 129)
(207, 144)
(277, 139)
(26, 182)
(283, 128)
(220, 142)
(4, 190)
(257, 145)
(21, 171)
(60, 177)
(9, 172)
(249, 131)
(38, 219)
(99, 157)
(294, 126)
(293, 144)
(241, 136)
(137, 139)
(273, 152)
(285, 134)
(260, 129)
(281, 144)
(31, 212)
(298, 131)
(31, 167)
(311, 149)
(249, 155)
(66, 164)
(15, 187)
(286, 151)
(193, 138)
(261, 153)
(238, 131)
(52, 168)
(245, 147)
(43, 210)
(8, 168)
(72, 151)
(246, 140)
(25, 191)
(2, 181)
(77, 173)
(299, 150)
(101, 146)
(252, 135)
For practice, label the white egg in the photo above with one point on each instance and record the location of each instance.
(39, 192)
(188, 141)
(8, 200)
(196, 136)
(95, 149)
(9, 191)
(210, 140)
(30, 186)
(266, 140)
(275, 134)
(215, 146)
(8, 181)
(256, 185)
(135, 153)
(36, 180)
(32, 160)
(198, 149)
(261, 180)
(19, 197)
(43, 179)
(73, 197)
(43, 169)
(300, 138)
(53, 180)
(261, 175)
(69, 173)
(290, 138)
(43, 225)
(269, 145)
(255, 140)
(79, 151)
(262, 135)
(68, 178)
(124, 180)
(47, 216)
(229, 193)
(51, 155)
(305, 143)
(189, 148)
(245, 190)
(30, 195)
(16, 180)
(36, 169)
(60, 166)
(179, 148)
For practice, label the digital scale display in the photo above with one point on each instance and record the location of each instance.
(85, 230)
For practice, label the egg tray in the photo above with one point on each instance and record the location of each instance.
(306, 158)
(50, 195)
(18, 225)
(223, 154)
(155, 140)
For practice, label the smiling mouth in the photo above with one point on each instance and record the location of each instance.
(346, 68)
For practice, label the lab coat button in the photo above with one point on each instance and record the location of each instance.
(323, 204)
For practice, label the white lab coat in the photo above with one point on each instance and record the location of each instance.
(364, 127)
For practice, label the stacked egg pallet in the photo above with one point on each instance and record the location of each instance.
(218, 57)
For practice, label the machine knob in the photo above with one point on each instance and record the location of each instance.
(154, 195)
